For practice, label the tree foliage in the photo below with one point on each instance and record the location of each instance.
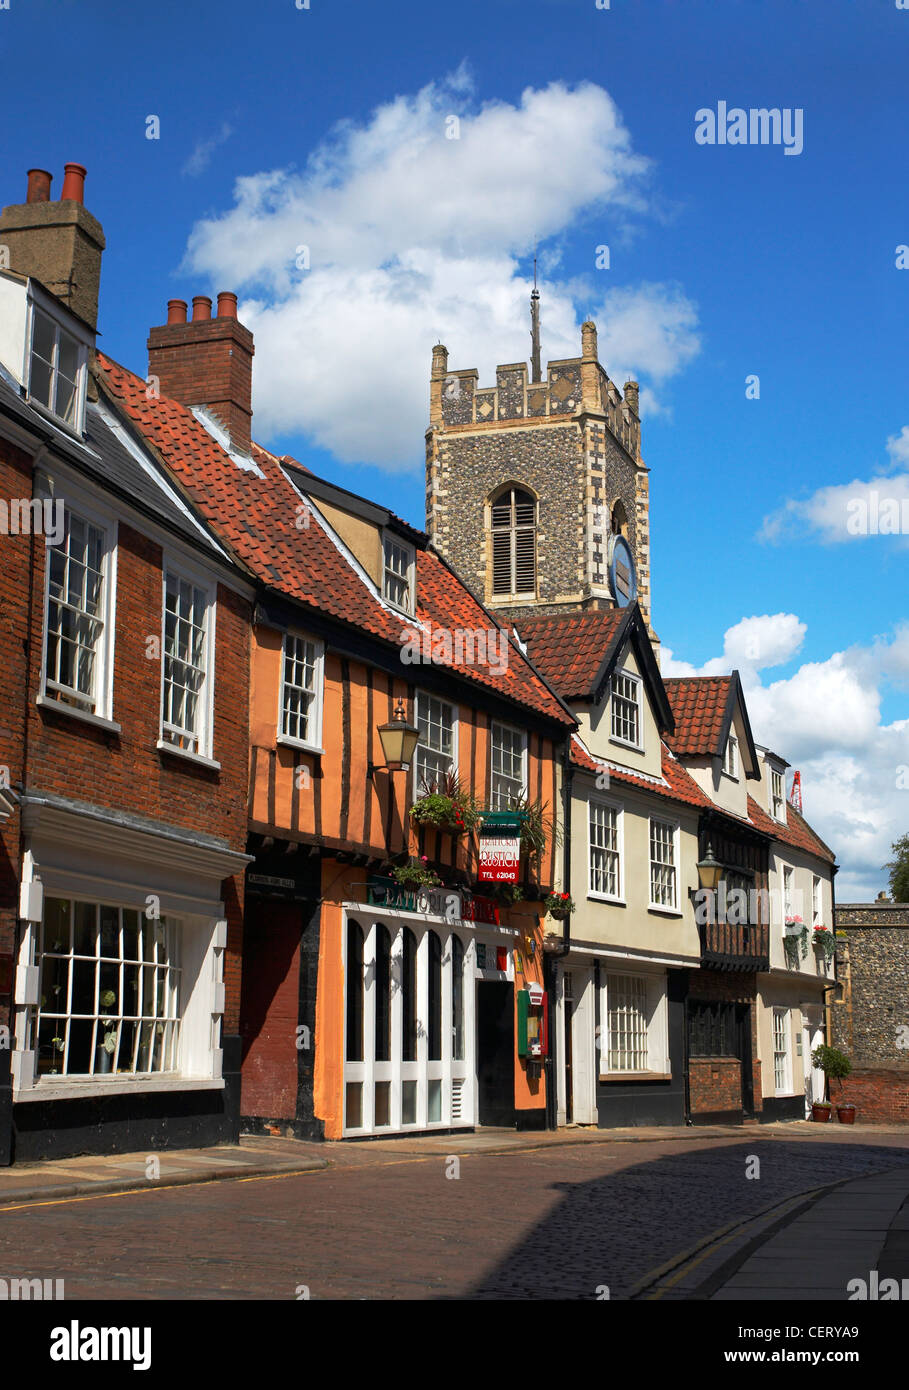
(898, 870)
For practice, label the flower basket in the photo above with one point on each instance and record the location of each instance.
(559, 906)
(416, 875)
(795, 941)
(825, 941)
(446, 806)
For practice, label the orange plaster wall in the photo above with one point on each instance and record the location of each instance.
(328, 1088)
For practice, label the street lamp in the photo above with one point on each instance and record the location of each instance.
(399, 739)
(710, 870)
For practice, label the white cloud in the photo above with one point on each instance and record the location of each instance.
(203, 150)
(850, 511)
(412, 238)
(769, 639)
(825, 719)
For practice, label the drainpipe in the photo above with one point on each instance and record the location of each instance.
(550, 958)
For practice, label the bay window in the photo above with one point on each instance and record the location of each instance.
(109, 991)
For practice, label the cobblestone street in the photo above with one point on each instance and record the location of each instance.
(556, 1221)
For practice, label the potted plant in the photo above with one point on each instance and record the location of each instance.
(825, 941)
(108, 1045)
(559, 905)
(416, 874)
(835, 1065)
(446, 805)
(508, 893)
(537, 827)
(821, 1111)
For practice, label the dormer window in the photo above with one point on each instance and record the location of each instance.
(731, 761)
(398, 574)
(626, 709)
(777, 799)
(56, 369)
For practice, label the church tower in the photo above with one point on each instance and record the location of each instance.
(535, 489)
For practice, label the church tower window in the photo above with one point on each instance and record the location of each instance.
(513, 519)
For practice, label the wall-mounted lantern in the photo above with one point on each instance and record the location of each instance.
(399, 740)
(710, 870)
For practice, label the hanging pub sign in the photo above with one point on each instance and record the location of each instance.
(500, 847)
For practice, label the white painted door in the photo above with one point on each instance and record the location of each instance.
(583, 1051)
(812, 1037)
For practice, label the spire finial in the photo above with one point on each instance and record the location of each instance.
(535, 367)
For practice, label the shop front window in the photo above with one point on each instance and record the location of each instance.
(109, 990)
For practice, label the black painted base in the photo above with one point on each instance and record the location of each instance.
(149, 1121)
(627, 1105)
(530, 1119)
(783, 1108)
(312, 1130)
(719, 1117)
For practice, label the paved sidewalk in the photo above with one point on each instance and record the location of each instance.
(489, 1141)
(858, 1227)
(94, 1175)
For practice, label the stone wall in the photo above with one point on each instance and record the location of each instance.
(871, 1021)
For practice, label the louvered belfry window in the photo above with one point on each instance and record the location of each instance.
(514, 543)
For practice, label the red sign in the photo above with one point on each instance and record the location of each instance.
(500, 858)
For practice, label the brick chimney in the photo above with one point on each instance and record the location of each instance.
(207, 361)
(59, 243)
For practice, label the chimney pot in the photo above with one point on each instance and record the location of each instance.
(73, 183)
(39, 186)
(201, 308)
(176, 311)
(227, 305)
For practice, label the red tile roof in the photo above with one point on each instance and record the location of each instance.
(257, 517)
(570, 648)
(796, 831)
(699, 705)
(677, 784)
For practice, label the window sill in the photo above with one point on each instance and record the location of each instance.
(285, 741)
(197, 758)
(75, 432)
(84, 716)
(663, 911)
(605, 898)
(635, 1076)
(76, 1088)
(623, 743)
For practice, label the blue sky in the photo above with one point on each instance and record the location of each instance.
(725, 261)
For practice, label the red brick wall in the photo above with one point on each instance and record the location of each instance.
(15, 565)
(732, 987)
(715, 1083)
(126, 770)
(880, 1095)
(271, 1004)
(47, 750)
